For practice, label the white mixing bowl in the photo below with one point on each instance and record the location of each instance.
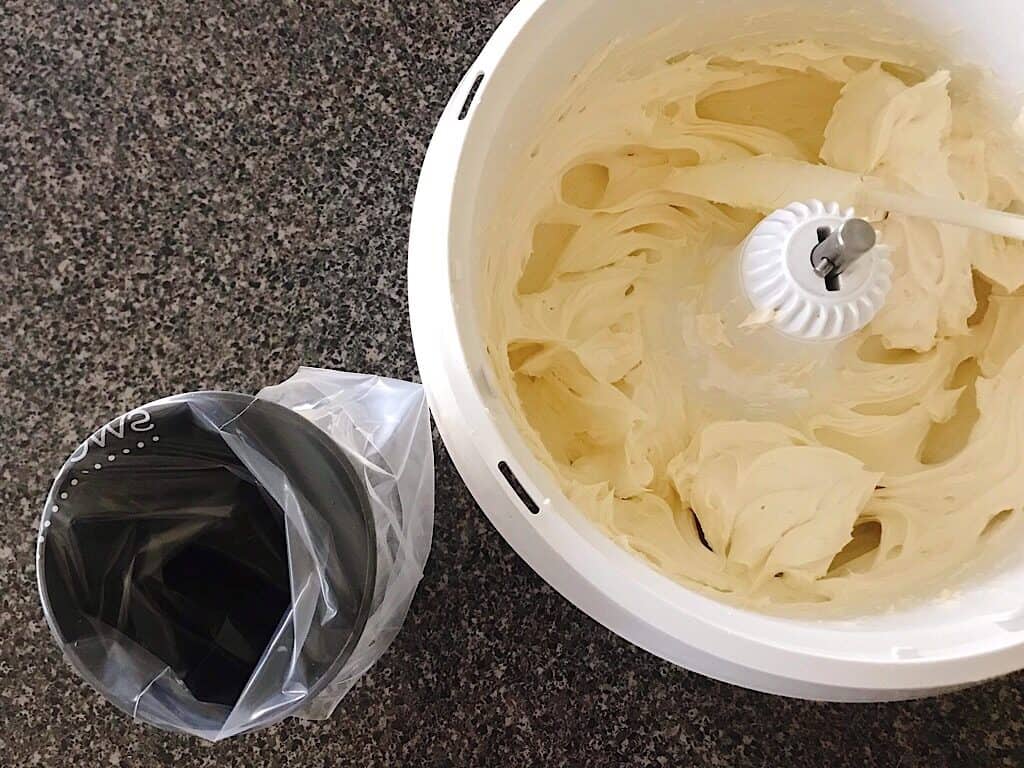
(520, 75)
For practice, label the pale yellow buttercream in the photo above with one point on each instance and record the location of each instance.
(844, 478)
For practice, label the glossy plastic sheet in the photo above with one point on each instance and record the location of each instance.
(213, 563)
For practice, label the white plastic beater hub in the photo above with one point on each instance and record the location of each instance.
(779, 279)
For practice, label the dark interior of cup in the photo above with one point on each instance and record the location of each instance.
(160, 532)
(176, 546)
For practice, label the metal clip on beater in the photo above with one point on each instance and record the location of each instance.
(839, 248)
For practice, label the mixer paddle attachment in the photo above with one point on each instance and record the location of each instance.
(790, 266)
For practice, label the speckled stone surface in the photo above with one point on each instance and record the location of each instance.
(205, 195)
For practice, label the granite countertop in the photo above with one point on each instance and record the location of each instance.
(208, 196)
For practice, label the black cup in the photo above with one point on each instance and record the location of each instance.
(207, 561)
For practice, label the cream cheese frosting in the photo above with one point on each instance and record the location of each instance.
(847, 478)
